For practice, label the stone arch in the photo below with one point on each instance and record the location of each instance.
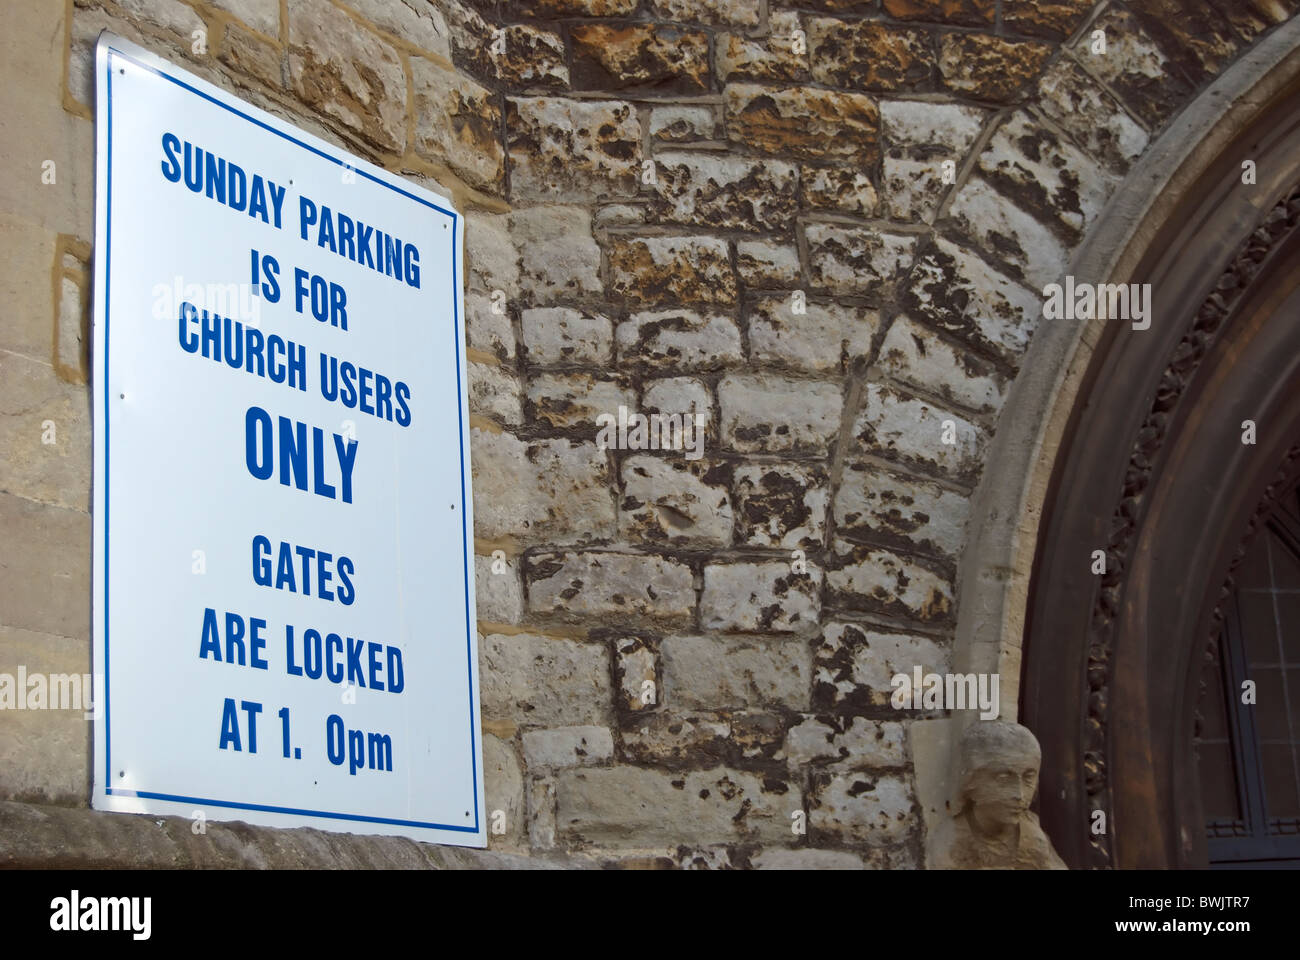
(1181, 183)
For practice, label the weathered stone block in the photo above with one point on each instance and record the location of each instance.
(532, 58)
(1199, 35)
(855, 260)
(958, 292)
(555, 490)
(646, 57)
(762, 263)
(558, 257)
(497, 590)
(541, 813)
(806, 858)
(419, 24)
(569, 401)
(678, 738)
(567, 747)
(869, 55)
(263, 15)
(45, 433)
(550, 9)
(636, 673)
(1048, 177)
(458, 122)
(990, 68)
(503, 788)
(766, 413)
(490, 254)
(671, 500)
(678, 123)
(765, 596)
(1134, 66)
(916, 515)
(45, 567)
(806, 123)
(1030, 250)
(741, 13)
(913, 189)
(347, 72)
(825, 338)
(544, 681)
(729, 192)
(915, 128)
(854, 664)
(168, 14)
(1056, 19)
(684, 395)
(966, 13)
(488, 330)
(780, 505)
(772, 57)
(862, 808)
(609, 584)
(247, 53)
(846, 189)
(632, 806)
(849, 742)
(715, 673)
(913, 432)
(494, 392)
(913, 355)
(678, 339)
(555, 335)
(1091, 115)
(572, 149)
(654, 270)
(862, 577)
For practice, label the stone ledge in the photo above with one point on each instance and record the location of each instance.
(33, 836)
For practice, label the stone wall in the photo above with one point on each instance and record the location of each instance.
(823, 226)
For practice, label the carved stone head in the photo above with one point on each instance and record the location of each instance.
(999, 775)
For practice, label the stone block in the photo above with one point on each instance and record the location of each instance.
(659, 270)
(899, 511)
(804, 123)
(716, 673)
(544, 681)
(610, 584)
(346, 72)
(724, 191)
(766, 413)
(876, 580)
(540, 490)
(678, 340)
(632, 806)
(562, 335)
(824, 338)
(780, 505)
(853, 665)
(988, 67)
(915, 433)
(563, 149)
(671, 500)
(765, 596)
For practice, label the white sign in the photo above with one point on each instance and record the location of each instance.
(284, 592)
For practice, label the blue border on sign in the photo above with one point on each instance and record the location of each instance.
(464, 523)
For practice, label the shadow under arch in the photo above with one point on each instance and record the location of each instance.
(1121, 440)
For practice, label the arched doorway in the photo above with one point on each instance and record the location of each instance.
(1154, 477)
